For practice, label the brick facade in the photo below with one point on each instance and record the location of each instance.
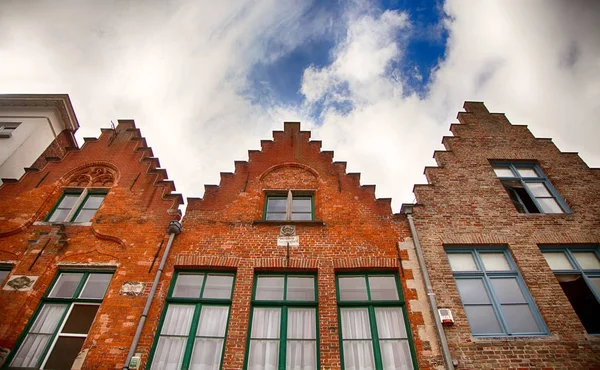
(465, 205)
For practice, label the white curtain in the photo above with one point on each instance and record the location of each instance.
(264, 353)
(207, 351)
(32, 348)
(358, 354)
(173, 336)
(393, 342)
(301, 354)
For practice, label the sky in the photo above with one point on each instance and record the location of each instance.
(378, 82)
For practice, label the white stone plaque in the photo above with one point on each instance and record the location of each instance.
(293, 241)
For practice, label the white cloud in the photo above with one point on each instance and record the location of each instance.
(178, 68)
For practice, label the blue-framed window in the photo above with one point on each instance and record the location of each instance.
(283, 323)
(55, 335)
(374, 328)
(578, 272)
(194, 322)
(529, 188)
(293, 206)
(494, 296)
(76, 206)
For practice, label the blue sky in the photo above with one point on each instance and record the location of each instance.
(378, 82)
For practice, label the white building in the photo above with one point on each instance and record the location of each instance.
(29, 124)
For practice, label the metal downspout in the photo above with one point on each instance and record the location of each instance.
(174, 229)
(430, 294)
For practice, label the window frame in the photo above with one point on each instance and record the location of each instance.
(484, 275)
(284, 305)
(540, 178)
(83, 195)
(197, 303)
(577, 269)
(371, 305)
(7, 129)
(70, 302)
(289, 211)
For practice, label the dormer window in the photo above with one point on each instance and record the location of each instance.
(291, 207)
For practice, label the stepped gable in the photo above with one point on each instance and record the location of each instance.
(290, 152)
(120, 159)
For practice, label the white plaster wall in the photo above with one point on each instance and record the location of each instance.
(37, 130)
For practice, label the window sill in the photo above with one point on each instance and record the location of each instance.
(511, 338)
(289, 222)
(544, 214)
(62, 223)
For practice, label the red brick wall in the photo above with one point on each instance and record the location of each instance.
(125, 235)
(465, 204)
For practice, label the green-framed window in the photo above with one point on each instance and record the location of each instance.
(193, 326)
(292, 206)
(578, 272)
(374, 328)
(529, 188)
(76, 206)
(496, 301)
(55, 335)
(283, 324)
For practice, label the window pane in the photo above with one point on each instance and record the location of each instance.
(300, 288)
(527, 172)
(96, 286)
(395, 355)
(213, 321)
(462, 262)
(302, 205)
(265, 323)
(301, 323)
(276, 204)
(472, 291)
(352, 288)
(557, 261)
(355, 323)
(177, 320)
(48, 318)
(302, 216)
(263, 355)
(587, 260)
(549, 205)
(94, 201)
(188, 285)
(301, 355)
(66, 285)
(482, 320)
(538, 189)
(218, 286)
(383, 288)
(508, 290)
(80, 319)
(269, 288)
(169, 353)
(3, 275)
(595, 281)
(64, 353)
(68, 201)
(520, 319)
(358, 355)
(390, 322)
(85, 215)
(59, 215)
(276, 216)
(206, 354)
(503, 172)
(31, 351)
(494, 261)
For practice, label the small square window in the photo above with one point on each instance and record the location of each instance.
(7, 129)
(529, 189)
(76, 207)
(293, 207)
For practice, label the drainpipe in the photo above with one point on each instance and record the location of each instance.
(407, 210)
(174, 229)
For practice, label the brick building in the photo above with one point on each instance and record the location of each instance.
(291, 263)
(508, 226)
